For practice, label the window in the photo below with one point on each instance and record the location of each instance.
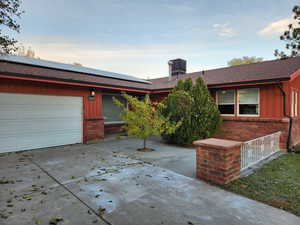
(248, 101)
(111, 112)
(294, 104)
(225, 99)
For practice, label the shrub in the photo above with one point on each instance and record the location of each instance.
(142, 119)
(193, 105)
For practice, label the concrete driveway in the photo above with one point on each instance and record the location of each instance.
(109, 183)
(178, 159)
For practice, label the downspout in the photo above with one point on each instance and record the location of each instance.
(288, 116)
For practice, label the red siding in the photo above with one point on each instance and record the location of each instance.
(92, 115)
(294, 84)
(271, 101)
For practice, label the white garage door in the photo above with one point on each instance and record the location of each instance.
(37, 121)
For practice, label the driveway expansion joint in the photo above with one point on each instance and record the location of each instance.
(68, 190)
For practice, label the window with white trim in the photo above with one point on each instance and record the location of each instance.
(248, 102)
(226, 99)
(111, 112)
(294, 103)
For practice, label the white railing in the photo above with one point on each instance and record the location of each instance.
(258, 149)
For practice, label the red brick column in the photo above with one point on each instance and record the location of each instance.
(95, 129)
(218, 161)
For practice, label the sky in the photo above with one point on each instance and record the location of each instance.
(138, 37)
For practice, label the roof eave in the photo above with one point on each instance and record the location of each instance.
(233, 84)
(72, 82)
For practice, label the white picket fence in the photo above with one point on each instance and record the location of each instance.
(255, 150)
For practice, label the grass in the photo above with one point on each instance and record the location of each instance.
(276, 183)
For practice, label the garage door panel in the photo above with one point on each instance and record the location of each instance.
(9, 128)
(14, 99)
(23, 143)
(37, 121)
(32, 112)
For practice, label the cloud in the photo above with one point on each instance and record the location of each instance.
(142, 60)
(277, 27)
(224, 30)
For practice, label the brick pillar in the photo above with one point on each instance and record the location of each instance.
(218, 161)
(95, 130)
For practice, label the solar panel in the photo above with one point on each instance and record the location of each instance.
(68, 67)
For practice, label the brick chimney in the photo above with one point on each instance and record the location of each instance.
(176, 67)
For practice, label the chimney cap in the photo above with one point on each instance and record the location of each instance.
(177, 67)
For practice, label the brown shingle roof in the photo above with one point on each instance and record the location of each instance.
(263, 71)
(266, 70)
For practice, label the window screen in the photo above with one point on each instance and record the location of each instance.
(248, 100)
(111, 112)
(226, 101)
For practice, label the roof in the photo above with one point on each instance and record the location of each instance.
(279, 69)
(273, 70)
(67, 67)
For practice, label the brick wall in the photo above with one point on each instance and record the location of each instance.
(112, 128)
(95, 130)
(244, 129)
(218, 161)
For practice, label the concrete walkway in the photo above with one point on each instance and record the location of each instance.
(98, 184)
(178, 159)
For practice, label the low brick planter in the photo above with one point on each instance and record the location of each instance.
(218, 160)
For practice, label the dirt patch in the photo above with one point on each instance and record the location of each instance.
(145, 150)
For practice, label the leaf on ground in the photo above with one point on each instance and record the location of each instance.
(38, 222)
(55, 221)
(101, 211)
(100, 179)
(3, 216)
(6, 181)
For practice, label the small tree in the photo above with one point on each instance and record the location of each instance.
(194, 106)
(143, 120)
